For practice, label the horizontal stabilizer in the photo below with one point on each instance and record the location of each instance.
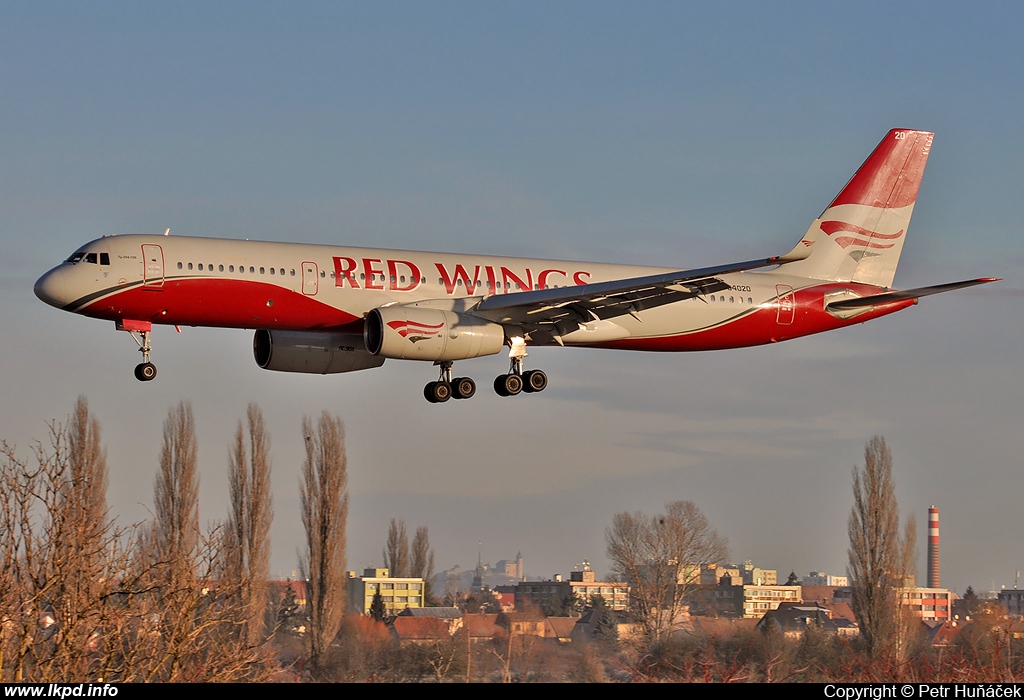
(888, 297)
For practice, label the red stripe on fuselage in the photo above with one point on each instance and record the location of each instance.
(222, 303)
(762, 327)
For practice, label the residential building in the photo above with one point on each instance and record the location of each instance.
(1013, 601)
(583, 585)
(397, 593)
(756, 576)
(751, 601)
(817, 578)
(794, 619)
(928, 603)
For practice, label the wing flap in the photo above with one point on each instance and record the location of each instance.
(615, 298)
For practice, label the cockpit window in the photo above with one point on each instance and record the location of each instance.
(104, 258)
(75, 257)
(90, 258)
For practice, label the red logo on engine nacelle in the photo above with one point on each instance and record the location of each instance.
(414, 331)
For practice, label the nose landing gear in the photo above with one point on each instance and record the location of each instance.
(146, 370)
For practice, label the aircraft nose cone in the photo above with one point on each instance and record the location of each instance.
(52, 287)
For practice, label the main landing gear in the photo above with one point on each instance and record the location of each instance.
(447, 388)
(515, 382)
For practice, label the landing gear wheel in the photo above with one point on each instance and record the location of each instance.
(508, 384)
(437, 392)
(463, 388)
(145, 371)
(499, 385)
(535, 380)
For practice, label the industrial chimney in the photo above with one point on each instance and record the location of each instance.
(933, 547)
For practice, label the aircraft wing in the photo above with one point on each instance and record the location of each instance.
(878, 299)
(604, 300)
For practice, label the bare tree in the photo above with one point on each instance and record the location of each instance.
(176, 497)
(660, 556)
(247, 551)
(79, 524)
(396, 553)
(422, 562)
(80, 599)
(88, 469)
(324, 500)
(879, 560)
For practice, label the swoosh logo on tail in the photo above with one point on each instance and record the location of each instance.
(859, 236)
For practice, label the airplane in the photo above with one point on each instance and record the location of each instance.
(328, 309)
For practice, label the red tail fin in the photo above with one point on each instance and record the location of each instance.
(860, 235)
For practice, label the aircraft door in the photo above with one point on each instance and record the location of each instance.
(310, 278)
(787, 304)
(152, 265)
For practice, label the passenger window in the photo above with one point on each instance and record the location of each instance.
(220, 268)
(273, 271)
(200, 267)
(231, 268)
(263, 270)
(180, 266)
(190, 266)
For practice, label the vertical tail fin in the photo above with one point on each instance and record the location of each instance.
(859, 237)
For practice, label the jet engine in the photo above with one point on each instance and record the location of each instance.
(311, 352)
(413, 333)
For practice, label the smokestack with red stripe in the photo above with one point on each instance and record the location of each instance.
(933, 547)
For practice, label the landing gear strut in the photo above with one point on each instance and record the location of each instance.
(140, 331)
(447, 388)
(146, 370)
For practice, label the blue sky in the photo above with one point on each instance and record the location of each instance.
(665, 133)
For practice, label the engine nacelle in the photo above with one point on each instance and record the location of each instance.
(310, 352)
(412, 333)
